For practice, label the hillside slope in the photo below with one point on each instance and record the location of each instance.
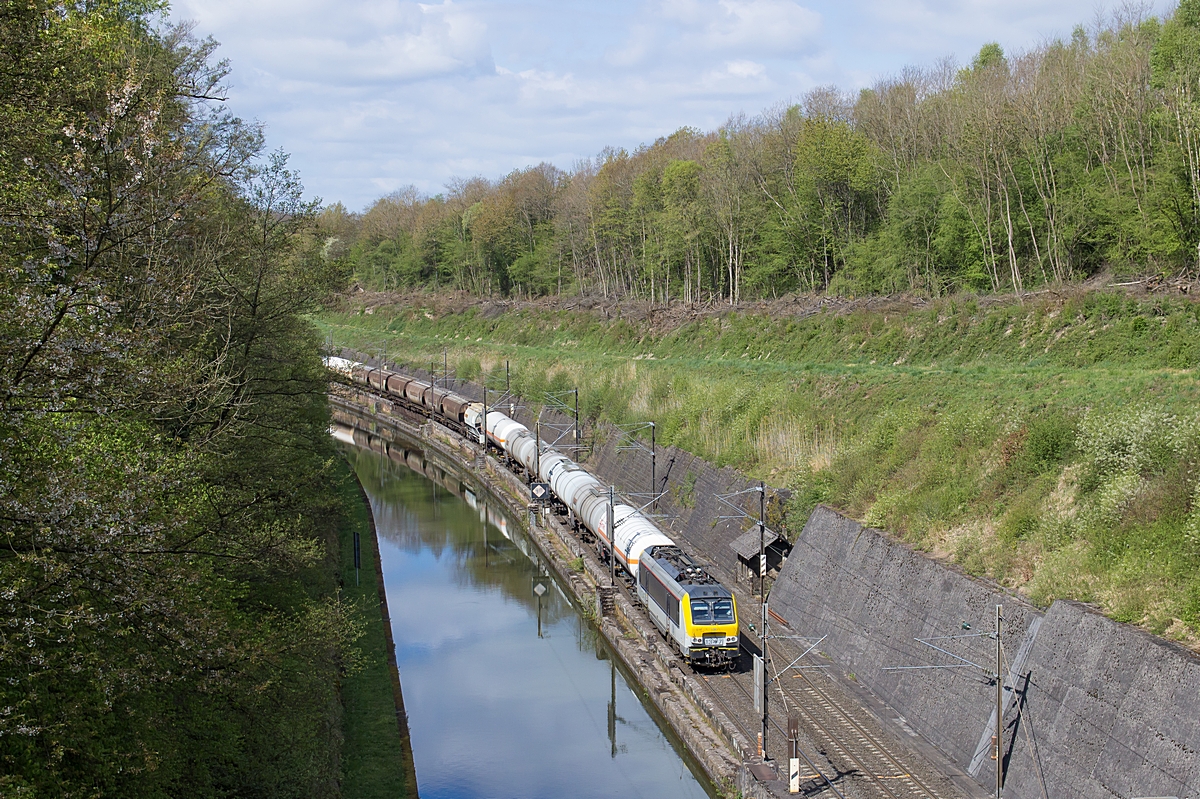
(1051, 445)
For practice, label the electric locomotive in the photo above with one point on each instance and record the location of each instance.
(692, 609)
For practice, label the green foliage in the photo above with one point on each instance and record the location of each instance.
(990, 56)
(374, 763)
(1049, 441)
(171, 618)
(685, 492)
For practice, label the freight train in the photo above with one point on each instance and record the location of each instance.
(692, 609)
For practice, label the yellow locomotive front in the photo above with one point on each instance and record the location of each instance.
(710, 625)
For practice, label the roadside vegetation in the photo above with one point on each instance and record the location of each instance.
(1051, 445)
(170, 617)
(1008, 173)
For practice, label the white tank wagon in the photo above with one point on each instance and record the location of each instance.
(580, 492)
(342, 366)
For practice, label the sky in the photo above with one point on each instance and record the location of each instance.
(372, 96)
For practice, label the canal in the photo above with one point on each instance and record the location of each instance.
(509, 691)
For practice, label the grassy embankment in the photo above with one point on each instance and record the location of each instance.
(1052, 446)
(375, 764)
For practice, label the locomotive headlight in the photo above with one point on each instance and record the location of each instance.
(731, 640)
(698, 640)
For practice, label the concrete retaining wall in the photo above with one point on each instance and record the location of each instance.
(1100, 709)
(1110, 710)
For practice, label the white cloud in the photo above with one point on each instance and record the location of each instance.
(766, 26)
(745, 69)
(362, 42)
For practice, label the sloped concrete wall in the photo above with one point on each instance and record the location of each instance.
(873, 598)
(1099, 710)
(1110, 710)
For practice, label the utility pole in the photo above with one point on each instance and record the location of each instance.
(999, 707)
(483, 424)
(760, 661)
(507, 381)
(537, 451)
(446, 367)
(653, 475)
(766, 680)
(612, 540)
(762, 542)
(793, 752)
(576, 423)
(762, 588)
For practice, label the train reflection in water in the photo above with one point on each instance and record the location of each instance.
(494, 710)
(401, 528)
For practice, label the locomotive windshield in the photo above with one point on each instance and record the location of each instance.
(723, 611)
(701, 612)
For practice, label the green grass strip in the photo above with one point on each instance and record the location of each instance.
(377, 754)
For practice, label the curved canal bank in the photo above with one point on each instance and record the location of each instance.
(377, 753)
(509, 691)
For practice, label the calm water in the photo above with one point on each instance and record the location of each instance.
(499, 703)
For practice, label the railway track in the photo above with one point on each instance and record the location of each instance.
(819, 783)
(850, 741)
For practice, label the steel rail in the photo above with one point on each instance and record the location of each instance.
(862, 731)
(749, 736)
(868, 741)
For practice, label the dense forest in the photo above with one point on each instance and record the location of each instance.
(170, 616)
(1008, 173)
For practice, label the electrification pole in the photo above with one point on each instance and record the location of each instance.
(653, 475)
(762, 541)
(483, 424)
(766, 681)
(999, 708)
(612, 540)
(762, 588)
